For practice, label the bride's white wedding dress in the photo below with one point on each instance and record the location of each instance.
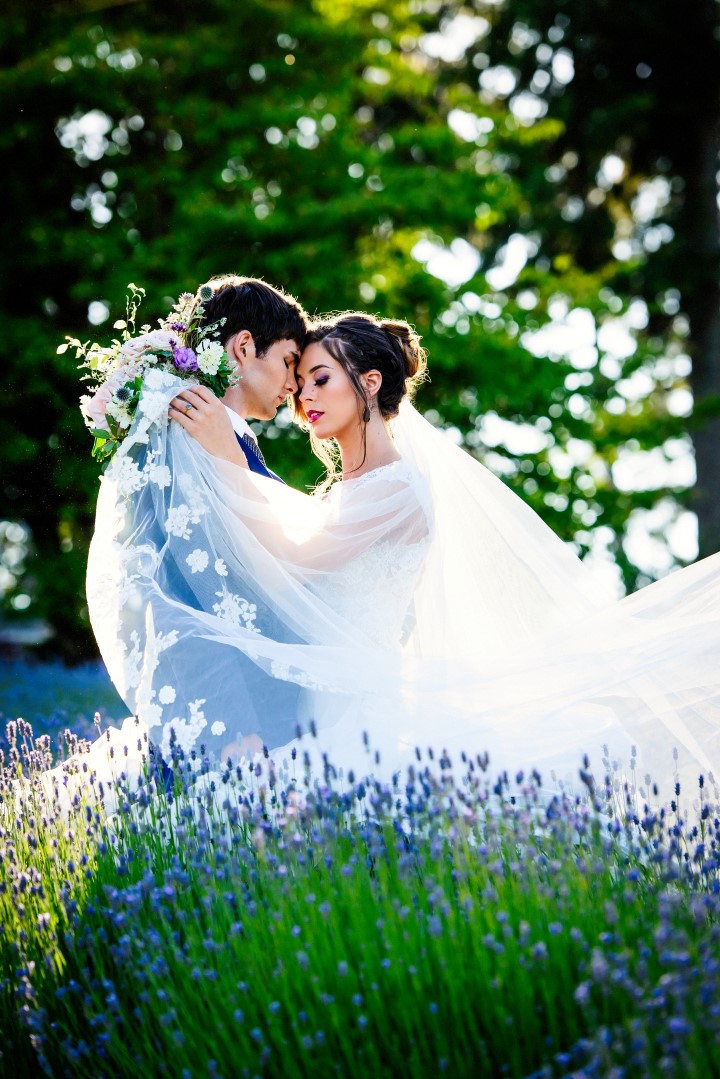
(420, 604)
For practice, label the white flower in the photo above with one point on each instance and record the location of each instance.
(218, 727)
(166, 695)
(209, 355)
(220, 567)
(157, 379)
(177, 521)
(197, 560)
(120, 414)
(154, 405)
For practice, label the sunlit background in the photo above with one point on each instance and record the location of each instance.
(532, 184)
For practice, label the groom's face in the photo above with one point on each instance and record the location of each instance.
(266, 381)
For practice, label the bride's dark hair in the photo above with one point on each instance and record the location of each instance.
(360, 343)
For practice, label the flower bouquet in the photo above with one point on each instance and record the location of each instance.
(182, 345)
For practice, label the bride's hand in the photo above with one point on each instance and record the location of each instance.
(205, 418)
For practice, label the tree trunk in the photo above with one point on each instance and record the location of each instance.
(703, 307)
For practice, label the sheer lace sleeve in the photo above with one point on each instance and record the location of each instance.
(311, 534)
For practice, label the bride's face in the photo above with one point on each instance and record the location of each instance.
(326, 395)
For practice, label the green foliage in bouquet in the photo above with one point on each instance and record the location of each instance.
(183, 344)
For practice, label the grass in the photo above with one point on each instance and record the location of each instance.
(255, 923)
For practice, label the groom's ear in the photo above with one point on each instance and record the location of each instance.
(240, 345)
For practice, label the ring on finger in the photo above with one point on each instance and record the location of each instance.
(187, 406)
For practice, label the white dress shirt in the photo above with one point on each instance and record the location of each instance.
(240, 426)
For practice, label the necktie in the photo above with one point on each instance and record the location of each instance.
(252, 445)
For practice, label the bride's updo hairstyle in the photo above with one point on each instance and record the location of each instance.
(360, 343)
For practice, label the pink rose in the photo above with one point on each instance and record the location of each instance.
(94, 406)
(154, 341)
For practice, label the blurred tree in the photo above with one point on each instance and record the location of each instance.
(344, 152)
(627, 194)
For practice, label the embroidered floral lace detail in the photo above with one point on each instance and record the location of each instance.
(127, 475)
(178, 521)
(159, 474)
(186, 731)
(132, 661)
(153, 405)
(149, 705)
(375, 590)
(236, 610)
(395, 468)
(194, 496)
(197, 560)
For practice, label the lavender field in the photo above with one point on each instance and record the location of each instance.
(255, 922)
(53, 696)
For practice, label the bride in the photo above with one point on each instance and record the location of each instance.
(411, 601)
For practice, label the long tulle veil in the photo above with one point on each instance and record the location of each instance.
(545, 663)
(211, 595)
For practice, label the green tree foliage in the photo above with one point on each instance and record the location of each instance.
(625, 198)
(338, 149)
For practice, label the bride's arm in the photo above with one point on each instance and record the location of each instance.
(203, 415)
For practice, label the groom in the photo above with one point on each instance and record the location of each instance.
(262, 332)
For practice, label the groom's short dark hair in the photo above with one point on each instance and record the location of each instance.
(246, 303)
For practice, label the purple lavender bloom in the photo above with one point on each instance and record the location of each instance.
(184, 358)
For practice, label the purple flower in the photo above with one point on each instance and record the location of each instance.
(184, 358)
